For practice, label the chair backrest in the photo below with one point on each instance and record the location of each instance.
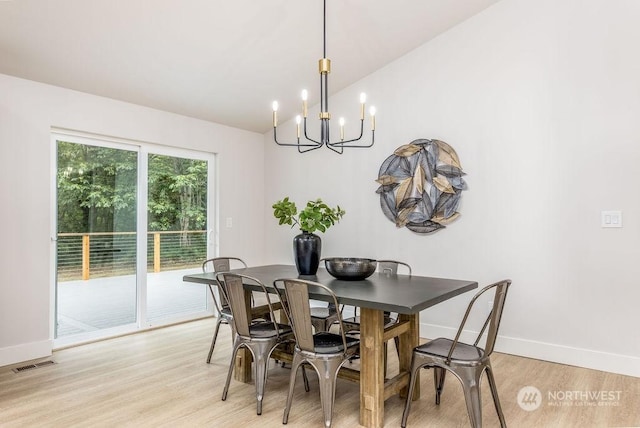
(217, 265)
(294, 295)
(221, 264)
(493, 319)
(390, 267)
(232, 285)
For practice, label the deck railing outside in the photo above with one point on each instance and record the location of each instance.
(100, 254)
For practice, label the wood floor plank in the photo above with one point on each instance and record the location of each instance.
(160, 379)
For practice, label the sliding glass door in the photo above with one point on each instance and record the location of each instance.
(131, 221)
(177, 234)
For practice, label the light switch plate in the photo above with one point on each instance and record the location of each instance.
(611, 219)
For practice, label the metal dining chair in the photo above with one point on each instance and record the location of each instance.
(259, 337)
(326, 352)
(217, 265)
(466, 362)
(391, 267)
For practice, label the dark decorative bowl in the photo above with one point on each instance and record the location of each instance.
(350, 268)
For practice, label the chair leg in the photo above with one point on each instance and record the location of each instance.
(318, 325)
(328, 374)
(231, 365)
(415, 366)
(260, 366)
(438, 380)
(215, 336)
(297, 361)
(386, 357)
(470, 377)
(385, 360)
(494, 394)
(305, 379)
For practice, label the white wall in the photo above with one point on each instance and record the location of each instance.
(541, 100)
(28, 110)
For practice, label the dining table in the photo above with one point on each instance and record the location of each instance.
(405, 295)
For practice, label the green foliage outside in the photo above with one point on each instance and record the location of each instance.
(97, 192)
(96, 189)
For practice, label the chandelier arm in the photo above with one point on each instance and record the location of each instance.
(307, 137)
(335, 150)
(315, 144)
(342, 144)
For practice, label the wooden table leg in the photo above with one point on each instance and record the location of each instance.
(371, 368)
(242, 370)
(408, 341)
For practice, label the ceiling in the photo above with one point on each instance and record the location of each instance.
(221, 61)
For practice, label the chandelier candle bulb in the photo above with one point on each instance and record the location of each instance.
(363, 100)
(275, 113)
(342, 128)
(372, 113)
(298, 120)
(305, 97)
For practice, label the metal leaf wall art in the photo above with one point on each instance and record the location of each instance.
(420, 185)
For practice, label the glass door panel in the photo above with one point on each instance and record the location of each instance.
(96, 252)
(176, 236)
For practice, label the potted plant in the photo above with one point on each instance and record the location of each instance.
(315, 216)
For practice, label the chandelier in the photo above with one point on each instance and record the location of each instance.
(308, 144)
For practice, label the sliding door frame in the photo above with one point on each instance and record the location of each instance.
(143, 150)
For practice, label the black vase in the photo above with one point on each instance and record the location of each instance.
(306, 250)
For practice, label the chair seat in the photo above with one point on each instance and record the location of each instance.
(331, 343)
(440, 348)
(266, 330)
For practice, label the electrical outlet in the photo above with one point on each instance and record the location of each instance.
(611, 219)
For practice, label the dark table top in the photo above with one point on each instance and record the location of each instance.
(394, 293)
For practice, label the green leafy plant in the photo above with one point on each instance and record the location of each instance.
(316, 215)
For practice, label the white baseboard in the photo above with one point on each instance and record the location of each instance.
(561, 354)
(25, 352)
(586, 358)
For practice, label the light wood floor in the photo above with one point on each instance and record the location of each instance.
(160, 379)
